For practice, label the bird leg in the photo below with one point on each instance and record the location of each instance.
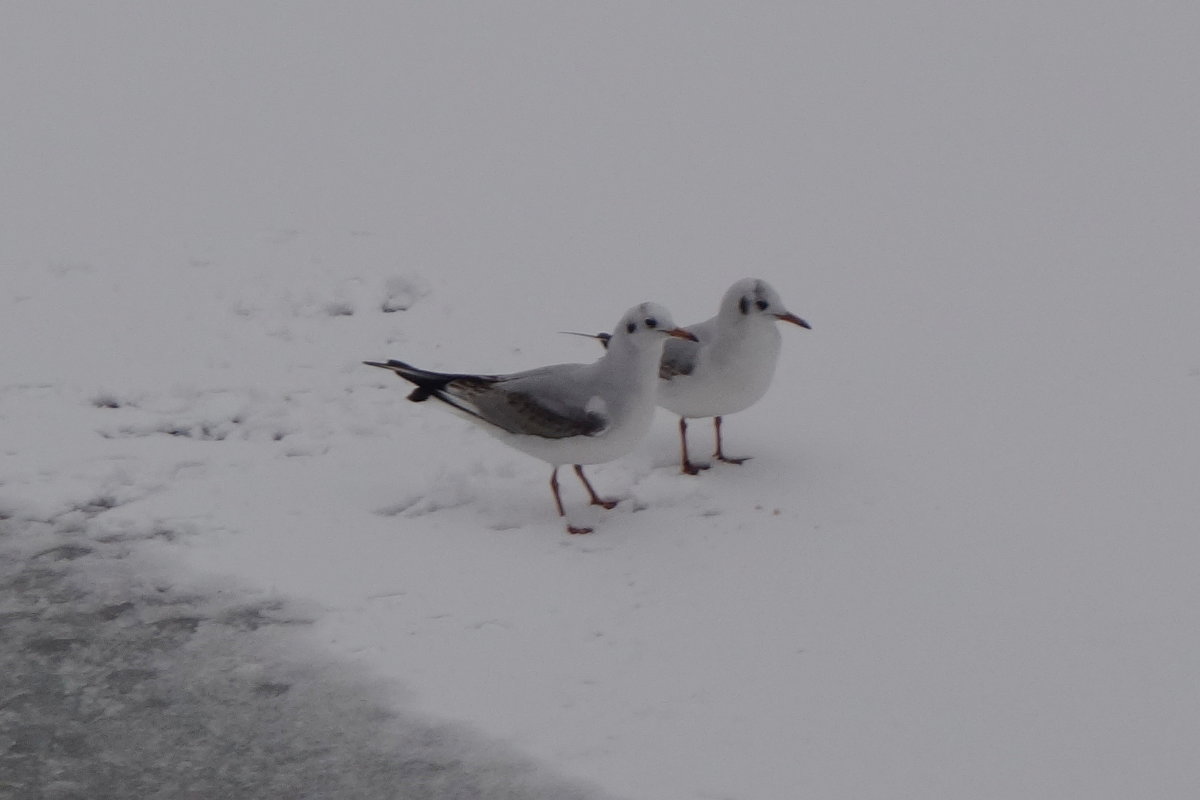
(558, 502)
(554, 488)
(596, 499)
(685, 465)
(719, 455)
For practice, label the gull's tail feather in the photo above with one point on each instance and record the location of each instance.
(428, 383)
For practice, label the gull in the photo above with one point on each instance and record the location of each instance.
(564, 413)
(727, 367)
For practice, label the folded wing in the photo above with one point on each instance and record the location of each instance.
(500, 400)
(678, 358)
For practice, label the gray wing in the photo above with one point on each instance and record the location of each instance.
(520, 410)
(678, 358)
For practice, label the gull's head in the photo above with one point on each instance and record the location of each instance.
(648, 324)
(755, 299)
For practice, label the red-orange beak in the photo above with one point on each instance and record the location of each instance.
(682, 333)
(792, 318)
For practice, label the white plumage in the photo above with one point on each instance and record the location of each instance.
(730, 365)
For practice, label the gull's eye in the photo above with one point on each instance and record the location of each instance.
(762, 305)
(651, 322)
(631, 327)
(744, 305)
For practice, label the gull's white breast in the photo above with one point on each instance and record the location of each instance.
(731, 373)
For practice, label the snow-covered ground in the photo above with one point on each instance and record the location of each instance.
(962, 561)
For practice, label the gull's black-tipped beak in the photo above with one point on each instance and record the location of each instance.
(792, 318)
(681, 333)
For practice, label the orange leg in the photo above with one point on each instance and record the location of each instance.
(596, 499)
(685, 464)
(558, 502)
(719, 455)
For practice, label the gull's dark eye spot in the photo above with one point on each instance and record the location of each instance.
(631, 327)
(762, 305)
(651, 322)
(744, 305)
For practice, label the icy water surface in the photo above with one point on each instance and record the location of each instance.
(115, 684)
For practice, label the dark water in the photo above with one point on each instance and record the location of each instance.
(116, 685)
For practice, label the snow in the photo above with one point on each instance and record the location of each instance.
(961, 562)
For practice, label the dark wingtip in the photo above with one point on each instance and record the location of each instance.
(428, 383)
(391, 364)
(603, 337)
